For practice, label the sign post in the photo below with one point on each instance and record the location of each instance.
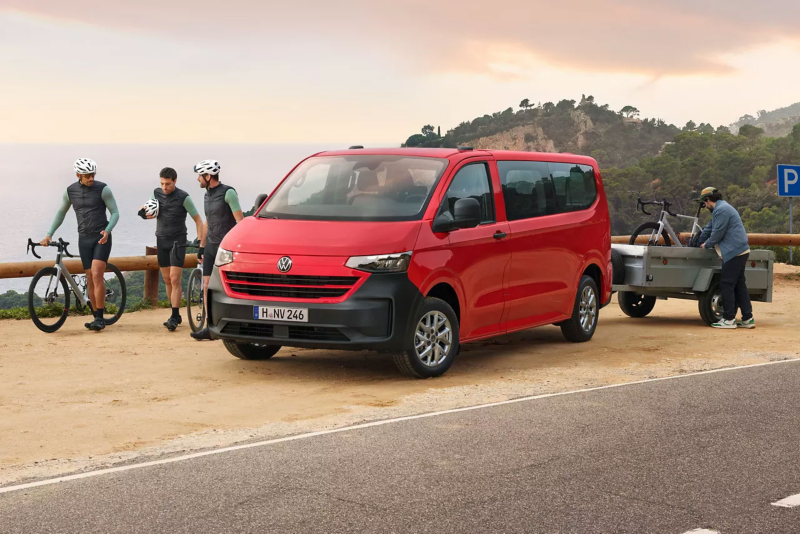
(789, 186)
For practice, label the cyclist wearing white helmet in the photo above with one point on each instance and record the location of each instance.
(90, 199)
(222, 213)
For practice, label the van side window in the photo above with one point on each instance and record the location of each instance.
(527, 189)
(471, 181)
(574, 185)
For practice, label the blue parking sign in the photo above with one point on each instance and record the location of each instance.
(789, 180)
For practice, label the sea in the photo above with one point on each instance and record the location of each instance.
(36, 176)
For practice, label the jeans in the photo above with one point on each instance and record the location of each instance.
(733, 288)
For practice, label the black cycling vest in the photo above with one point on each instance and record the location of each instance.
(171, 221)
(218, 214)
(89, 206)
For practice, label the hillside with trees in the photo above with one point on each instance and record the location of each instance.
(776, 123)
(614, 138)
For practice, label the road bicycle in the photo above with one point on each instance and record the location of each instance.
(49, 292)
(661, 228)
(195, 310)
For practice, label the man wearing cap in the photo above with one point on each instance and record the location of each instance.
(725, 233)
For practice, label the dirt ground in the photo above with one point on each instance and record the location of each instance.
(75, 399)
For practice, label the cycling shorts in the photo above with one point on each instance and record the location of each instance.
(91, 250)
(167, 257)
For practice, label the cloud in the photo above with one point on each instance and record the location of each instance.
(655, 38)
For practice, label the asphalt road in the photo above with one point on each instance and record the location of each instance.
(707, 451)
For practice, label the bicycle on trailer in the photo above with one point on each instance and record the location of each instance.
(50, 286)
(195, 310)
(661, 228)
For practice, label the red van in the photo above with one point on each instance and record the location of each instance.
(413, 252)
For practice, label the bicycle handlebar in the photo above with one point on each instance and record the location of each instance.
(663, 203)
(60, 245)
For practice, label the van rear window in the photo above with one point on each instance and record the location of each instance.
(537, 188)
(369, 187)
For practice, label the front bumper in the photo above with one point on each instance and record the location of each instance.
(376, 316)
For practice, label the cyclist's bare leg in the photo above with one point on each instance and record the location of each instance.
(90, 288)
(175, 274)
(98, 270)
(165, 274)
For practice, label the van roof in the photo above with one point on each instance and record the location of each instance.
(450, 152)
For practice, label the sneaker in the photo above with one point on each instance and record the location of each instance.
(750, 323)
(97, 325)
(201, 335)
(172, 324)
(178, 320)
(724, 323)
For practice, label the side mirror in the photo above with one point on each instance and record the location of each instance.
(466, 213)
(260, 200)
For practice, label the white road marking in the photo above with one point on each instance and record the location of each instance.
(701, 531)
(109, 470)
(789, 502)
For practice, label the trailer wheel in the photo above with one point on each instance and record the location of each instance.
(710, 304)
(617, 268)
(635, 305)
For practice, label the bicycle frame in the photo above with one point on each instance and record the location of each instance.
(663, 224)
(62, 271)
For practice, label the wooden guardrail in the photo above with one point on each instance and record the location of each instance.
(756, 240)
(148, 264)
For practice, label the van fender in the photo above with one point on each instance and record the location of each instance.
(446, 276)
(595, 258)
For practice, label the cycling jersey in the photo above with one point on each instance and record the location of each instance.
(90, 204)
(220, 204)
(172, 210)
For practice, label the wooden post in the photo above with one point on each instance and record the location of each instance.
(151, 280)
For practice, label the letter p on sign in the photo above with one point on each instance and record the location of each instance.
(789, 180)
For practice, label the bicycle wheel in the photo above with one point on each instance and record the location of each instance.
(48, 300)
(649, 229)
(194, 301)
(116, 294)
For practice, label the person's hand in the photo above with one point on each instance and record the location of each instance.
(201, 251)
(703, 245)
(46, 241)
(104, 239)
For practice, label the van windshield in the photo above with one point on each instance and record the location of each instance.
(356, 188)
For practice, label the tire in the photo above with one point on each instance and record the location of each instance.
(195, 311)
(411, 361)
(617, 268)
(56, 300)
(251, 351)
(116, 294)
(710, 304)
(650, 228)
(585, 313)
(635, 305)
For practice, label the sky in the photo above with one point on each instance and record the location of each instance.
(367, 72)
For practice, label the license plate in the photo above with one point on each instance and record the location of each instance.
(275, 313)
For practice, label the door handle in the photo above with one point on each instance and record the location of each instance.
(499, 235)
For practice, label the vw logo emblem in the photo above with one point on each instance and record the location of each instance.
(284, 264)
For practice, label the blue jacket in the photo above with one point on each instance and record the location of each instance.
(726, 230)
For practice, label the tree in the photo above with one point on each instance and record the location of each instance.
(751, 132)
(690, 126)
(705, 128)
(548, 107)
(566, 105)
(427, 130)
(629, 111)
(525, 104)
(723, 130)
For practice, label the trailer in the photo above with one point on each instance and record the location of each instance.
(643, 274)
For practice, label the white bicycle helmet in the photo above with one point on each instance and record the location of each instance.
(151, 208)
(85, 166)
(207, 166)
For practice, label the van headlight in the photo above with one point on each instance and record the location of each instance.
(383, 263)
(224, 257)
